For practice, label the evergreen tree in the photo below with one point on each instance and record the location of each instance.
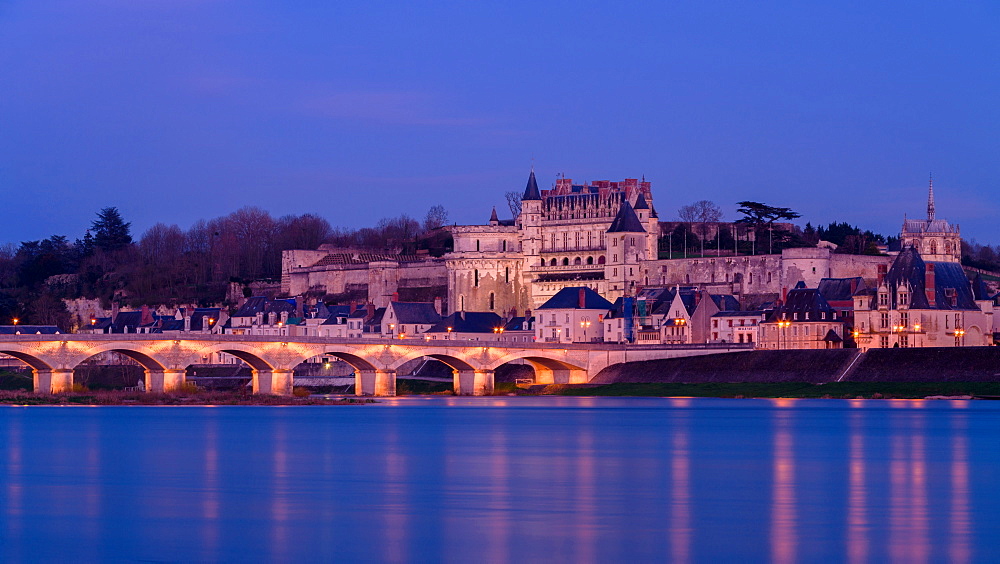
(111, 232)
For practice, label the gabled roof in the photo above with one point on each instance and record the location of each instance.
(418, 313)
(569, 298)
(626, 221)
(468, 322)
(531, 190)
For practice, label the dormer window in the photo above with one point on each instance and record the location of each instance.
(883, 299)
(904, 298)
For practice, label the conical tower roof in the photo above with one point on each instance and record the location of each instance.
(640, 202)
(626, 221)
(531, 190)
(493, 216)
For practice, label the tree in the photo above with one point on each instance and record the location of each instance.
(514, 202)
(702, 212)
(111, 232)
(436, 217)
(760, 215)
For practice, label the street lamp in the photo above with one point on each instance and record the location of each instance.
(585, 324)
(449, 333)
(783, 324)
(959, 333)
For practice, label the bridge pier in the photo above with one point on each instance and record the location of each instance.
(473, 382)
(276, 381)
(169, 380)
(55, 381)
(375, 382)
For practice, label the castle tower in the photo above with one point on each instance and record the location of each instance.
(647, 217)
(530, 221)
(935, 239)
(626, 249)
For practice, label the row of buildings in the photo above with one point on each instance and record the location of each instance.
(580, 263)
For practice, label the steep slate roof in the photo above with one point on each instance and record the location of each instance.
(640, 203)
(493, 216)
(418, 313)
(909, 268)
(531, 190)
(725, 302)
(840, 289)
(468, 322)
(569, 298)
(626, 221)
(262, 304)
(802, 301)
(518, 324)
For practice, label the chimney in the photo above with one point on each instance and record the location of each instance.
(187, 319)
(881, 273)
(395, 296)
(369, 311)
(929, 290)
(697, 297)
(854, 285)
(784, 294)
(582, 299)
(437, 305)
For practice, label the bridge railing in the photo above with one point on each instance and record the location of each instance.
(415, 342)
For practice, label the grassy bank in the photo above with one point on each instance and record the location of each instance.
(844, 390)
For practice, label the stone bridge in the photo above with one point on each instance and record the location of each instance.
(272, 359)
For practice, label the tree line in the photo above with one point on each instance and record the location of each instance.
(171, 265)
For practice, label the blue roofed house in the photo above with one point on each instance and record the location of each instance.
(408, 319)
(572, 315)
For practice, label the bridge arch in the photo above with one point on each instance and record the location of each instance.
(456, 362)
(548, 369)
(30, 356)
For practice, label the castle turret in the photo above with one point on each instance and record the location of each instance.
(626, 248)
(531, 223)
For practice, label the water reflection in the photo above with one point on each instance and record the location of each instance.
(783, 515)
(960, 527)
(857, 493)
(675, 480)
(680, 483)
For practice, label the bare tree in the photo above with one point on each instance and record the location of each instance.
(305, 231)
(436, 217)
(514, 202)
(702, 212)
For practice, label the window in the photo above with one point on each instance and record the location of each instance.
(883, 299)
(884, 320)
(475, 274)
(477, 244)
(492, 301)
(884, 341)
(506, 274)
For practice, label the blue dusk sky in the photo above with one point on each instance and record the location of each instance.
(179, 110)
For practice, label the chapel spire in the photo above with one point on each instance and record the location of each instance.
(930, 200)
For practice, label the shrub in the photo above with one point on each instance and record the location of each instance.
(300, 392)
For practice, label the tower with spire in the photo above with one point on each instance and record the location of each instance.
(935, 239)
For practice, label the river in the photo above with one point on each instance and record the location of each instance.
(505, 479)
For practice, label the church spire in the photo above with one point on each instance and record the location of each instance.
(930, 200)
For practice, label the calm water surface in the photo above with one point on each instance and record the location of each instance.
(505, 479)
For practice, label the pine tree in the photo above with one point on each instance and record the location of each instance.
(111, 232)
